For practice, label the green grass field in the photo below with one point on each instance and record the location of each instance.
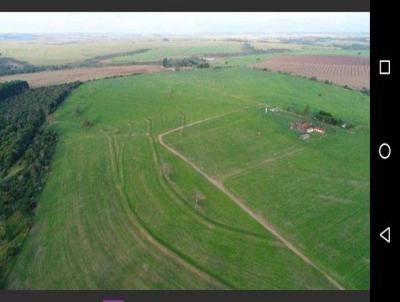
(119, 210)
(174, 50)
(316, 193)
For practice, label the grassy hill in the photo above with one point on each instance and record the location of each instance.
(119, 211)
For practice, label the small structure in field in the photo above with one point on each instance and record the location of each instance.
(300, 126)
(271, 109)
(197, 197)
(305, 136)
(320, 130)
(305, 127)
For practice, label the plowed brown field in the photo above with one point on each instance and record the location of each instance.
(47, 78)
(342, 70)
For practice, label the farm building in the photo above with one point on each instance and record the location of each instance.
(319, 130)
(304, 127)
(271, 109)
(300, 126)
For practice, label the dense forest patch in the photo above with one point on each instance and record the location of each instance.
(26, 147)
(12, 66)
(12, 88)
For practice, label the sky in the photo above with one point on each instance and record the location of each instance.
(183, 23)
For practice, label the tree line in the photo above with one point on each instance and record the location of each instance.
(12, 88)
(9, 66)
(185, 62)
(26, 148)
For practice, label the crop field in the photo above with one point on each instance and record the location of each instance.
(289, 50)
(48, 78)
(183, 182)
(58, 52)
(70, 51)
(352, 71)
(174, 50)
(63, 52)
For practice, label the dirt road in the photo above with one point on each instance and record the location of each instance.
(241, 203)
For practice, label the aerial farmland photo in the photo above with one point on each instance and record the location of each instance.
(185, 151)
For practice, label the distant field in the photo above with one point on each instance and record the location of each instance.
(292, 50)
(48, 78)
(352, 71)
(242, 60)
(328, 50)
(275, 45)
(173, 50)
(120, 211)
(59, 52)
(65, 52)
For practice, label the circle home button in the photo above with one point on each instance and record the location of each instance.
(384, 151)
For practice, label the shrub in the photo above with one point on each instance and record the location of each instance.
(87, 124)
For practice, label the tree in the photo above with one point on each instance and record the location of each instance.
(28, 145)
(87, 124)
(197, 196)
(165, 62)
(77, 111)
(166, 170)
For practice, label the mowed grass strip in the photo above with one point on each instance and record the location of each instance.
(108, 217)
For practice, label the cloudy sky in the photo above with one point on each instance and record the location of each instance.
(184, 23)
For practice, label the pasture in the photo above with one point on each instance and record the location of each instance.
(120, 211)
(315, 193)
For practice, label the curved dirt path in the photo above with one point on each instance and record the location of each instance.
(144, 233)
(201, 218)
(239, 202)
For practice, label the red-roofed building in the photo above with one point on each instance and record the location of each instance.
(320, 130)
